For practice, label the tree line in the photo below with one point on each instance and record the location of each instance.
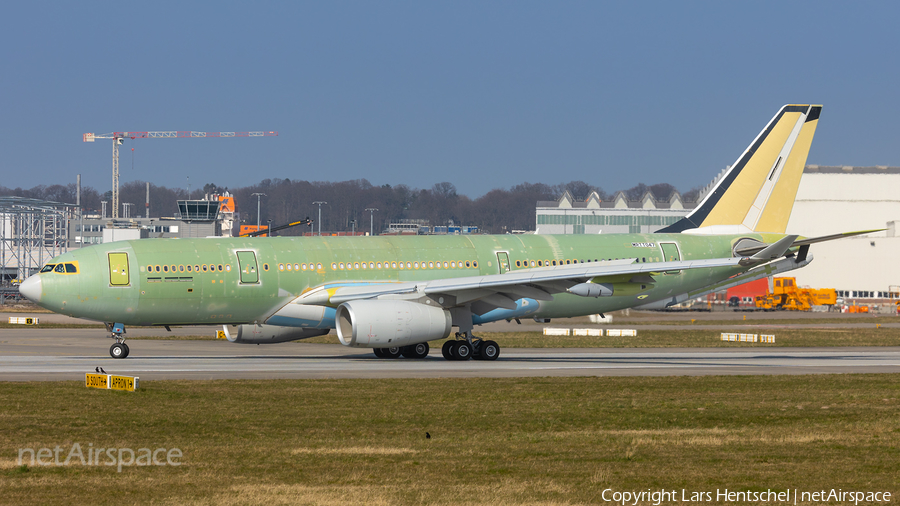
(498, 211)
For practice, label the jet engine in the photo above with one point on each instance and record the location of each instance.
(268, 334)
(389, 323)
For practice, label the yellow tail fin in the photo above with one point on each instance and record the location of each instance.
(758, 191)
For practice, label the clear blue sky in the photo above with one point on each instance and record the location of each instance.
(481, 94)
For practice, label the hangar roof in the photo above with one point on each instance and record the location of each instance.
(850, 169)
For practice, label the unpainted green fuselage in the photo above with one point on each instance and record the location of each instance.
(212, 281)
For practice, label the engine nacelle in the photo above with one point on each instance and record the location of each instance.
(268, 334)
(389, 323)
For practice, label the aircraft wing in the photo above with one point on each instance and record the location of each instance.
(502, 290)
(488, 292)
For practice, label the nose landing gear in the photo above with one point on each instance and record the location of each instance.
(117, 331)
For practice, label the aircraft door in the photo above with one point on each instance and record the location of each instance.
(247, 264)
(118, 269)
(670, 254)
(503, 261)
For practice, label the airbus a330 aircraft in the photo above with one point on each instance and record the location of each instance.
(395, 294)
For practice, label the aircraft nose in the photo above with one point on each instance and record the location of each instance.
(31, 288)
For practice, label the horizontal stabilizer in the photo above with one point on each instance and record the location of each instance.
(807, 242)
(756, 249)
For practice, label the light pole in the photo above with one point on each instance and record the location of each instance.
(258, 196)
(371, 220)
(319, 203)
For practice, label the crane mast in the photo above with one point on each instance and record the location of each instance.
(119, 137)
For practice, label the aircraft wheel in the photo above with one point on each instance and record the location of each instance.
(394, 352)
(447, 350)
(489, 350)
(419, 350)
(379, 352)
(118, 350)
(462, 351)
(127, 350)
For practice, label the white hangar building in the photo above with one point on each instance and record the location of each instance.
(832, 200)
(617, 216)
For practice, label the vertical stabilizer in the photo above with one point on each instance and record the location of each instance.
(757, 193)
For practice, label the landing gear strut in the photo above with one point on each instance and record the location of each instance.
(119, 349)
(467, 346)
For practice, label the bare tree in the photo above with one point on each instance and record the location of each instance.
(498, 211)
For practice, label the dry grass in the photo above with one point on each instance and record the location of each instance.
(738, 318)
(355, 450)
(703, 338)
(26, 328)
(385, 494)
(685, 338)
(23, 307)
(494, 441)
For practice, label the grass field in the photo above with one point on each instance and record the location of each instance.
(7, 325)
(678, 338)
(686, 338)
(494, 441)
(23, 307)
(873, 321)
(700, 338)
(787, 319)
(762, 319)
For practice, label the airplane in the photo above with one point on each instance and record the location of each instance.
(395, 294)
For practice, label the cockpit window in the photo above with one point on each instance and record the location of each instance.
(66, 268)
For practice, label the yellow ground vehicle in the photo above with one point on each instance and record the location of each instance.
(786, 295)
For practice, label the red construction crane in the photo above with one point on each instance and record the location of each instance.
(119, 137)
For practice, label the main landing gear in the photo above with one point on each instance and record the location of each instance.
(419, 350)
(119, 349)
(463, 347)
(470, 347)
